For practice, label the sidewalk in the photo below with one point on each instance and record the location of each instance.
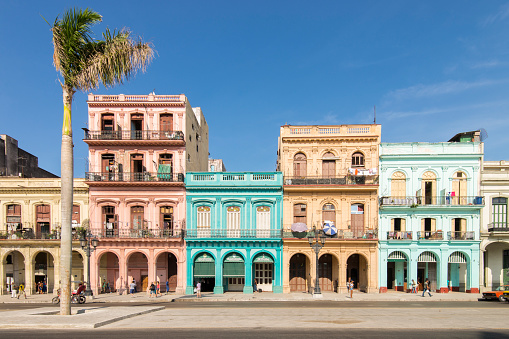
(264, 296)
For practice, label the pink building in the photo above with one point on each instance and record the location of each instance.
(140, 147)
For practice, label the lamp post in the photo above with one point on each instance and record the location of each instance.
(88, 244)
(316, 243)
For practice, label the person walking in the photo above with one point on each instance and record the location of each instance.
(198, 289)
(21, 290)
(426, 288)
(167, 286)
(132, 288)
(414, 286)
(153, 290)
(255, 286)
(14, 290)
(349, 286)
(158, 289)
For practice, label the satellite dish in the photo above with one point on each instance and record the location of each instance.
(484, 134)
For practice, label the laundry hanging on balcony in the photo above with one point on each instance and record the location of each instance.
(363, 171)
(164, 172)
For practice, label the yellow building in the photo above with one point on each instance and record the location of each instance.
(30, 220)
(330, 176)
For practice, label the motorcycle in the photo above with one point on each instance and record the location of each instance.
(75, 298)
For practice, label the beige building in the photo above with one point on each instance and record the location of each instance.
(30, 232)
(330, 177)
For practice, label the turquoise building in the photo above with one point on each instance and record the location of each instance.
(429, 214)
(233, 232)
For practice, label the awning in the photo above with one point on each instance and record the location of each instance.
(299, 227)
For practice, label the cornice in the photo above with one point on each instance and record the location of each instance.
(135, 104)
(42, 190)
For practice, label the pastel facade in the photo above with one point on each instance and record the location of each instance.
(494, 225)
(140, 147)
(30, 232)
(330, 174)
(429, 210)
(233, 231)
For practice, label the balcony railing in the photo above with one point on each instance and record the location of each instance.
(399, 236)
(344, 180)
(132, 177)
(437, 235)
(461, 235)
(28, 234)
(346, 235)
(431, 200)
(498, 227)
(102, 233)
(134, 135)
(215, 233)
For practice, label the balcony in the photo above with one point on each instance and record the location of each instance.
(134, 179)
(371, 234)
(131, 233)
(144, 137)
(498, 227)
(443, 200)
(233, 179)
(222, 233)
(399, 236)
(30, 234)
(343, 180)
(436, 235)
(461, 235)
(325, 131)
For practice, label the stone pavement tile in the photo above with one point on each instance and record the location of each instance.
(82, 317)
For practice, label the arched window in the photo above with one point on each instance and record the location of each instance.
(233, 220)
(329, 213)
(299, 165)
(263, 219)
(358, 159)
(398, 185)
(328, 165)
(299, 213)
(459, 188)
(429, 188)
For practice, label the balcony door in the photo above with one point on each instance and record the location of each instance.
(299, 165)
(43, 218)
(166, 218)
(357, 220)
(109, 220)
(107, 125)
(137, 167)
(166, 122)
(137, 126)
(137, 214)
(328, 165)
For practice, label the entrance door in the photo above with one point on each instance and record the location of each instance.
(144, 283)
(263, 276)
(234, 273)
(298, 273)
(172, 272)
(390, 275)
(505, 267)
(325, 272)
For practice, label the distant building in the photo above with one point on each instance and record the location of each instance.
(216, 165)
(16, 162)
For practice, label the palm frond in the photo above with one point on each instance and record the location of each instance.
(116, 59)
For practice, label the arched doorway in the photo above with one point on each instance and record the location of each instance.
(356, 269)
(44, 271)
(397, 265)
(298, 274)
(457, 272)
(234, 273)
(325, 273)
(263, 269)
(77, 270)
(137, 268)
(14, 269)
(109, 272)
(204, 270)
(166, 270)
(427, 268)
(496, 265)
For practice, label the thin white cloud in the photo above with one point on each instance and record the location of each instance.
(486, 64)
(502, 14)
(447, 87)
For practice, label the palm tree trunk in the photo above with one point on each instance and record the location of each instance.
(67, 175)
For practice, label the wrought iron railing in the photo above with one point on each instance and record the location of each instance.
(431, 200)
(135, 233)
(461, 235)
(343, 180)
(498, 227)
(134, 135)
(222, 233)
(341, 234)
(399, 236)
(436, 235)
(28, 234)
(134, 177)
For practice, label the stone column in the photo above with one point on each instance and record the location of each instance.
(3, 278)
(219, 288)
(248, 267)
(29, 275)
(122, 272)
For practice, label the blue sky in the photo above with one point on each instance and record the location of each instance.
(432, 68)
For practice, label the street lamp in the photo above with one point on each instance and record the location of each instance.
(88, 244)
(316, 243)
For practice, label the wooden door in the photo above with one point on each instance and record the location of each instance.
(328, 168)
(299, 213)
(325, 272)
(137, 217)
(166, 122)
(298, 273)
(299, 165)
(357, 220)
(144, 283)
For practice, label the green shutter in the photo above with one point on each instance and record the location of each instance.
(204, 270)
(233, 269)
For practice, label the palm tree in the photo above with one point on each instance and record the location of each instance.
(84, 63)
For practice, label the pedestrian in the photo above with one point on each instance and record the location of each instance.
(198, 289)
(167, 286)
(132, 287)
(255, 286)
(426, 288)
(14, 290)
(44, 287)
(108, 288)
(153, 290)
(349, 287)
(414, 286)
(21, 290)
(158, 290)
